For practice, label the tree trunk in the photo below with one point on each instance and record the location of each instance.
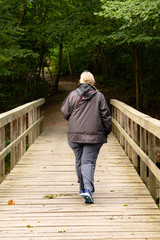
(43, 75)
(50, 74)
(136, 74)
(42, 51)
(105, 65)
(59, 66)
(69, 62)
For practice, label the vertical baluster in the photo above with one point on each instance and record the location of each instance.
(12, 154)
(23, 129)
(129, 133)
(126, 129)
(34, 130)
(41, 115)
(2, 146)
(30, 122)
(20, 130)
(143, 146)
(13, 136)
(118, 120)
(38, 117)
(152, 178)
(135, 138)
(116, 113)
(122, 125)
(114, 116)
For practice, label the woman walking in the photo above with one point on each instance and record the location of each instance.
(89, 124)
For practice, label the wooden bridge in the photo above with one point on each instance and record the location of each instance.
(39, 197)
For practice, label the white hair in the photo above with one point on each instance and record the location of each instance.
(87, 77)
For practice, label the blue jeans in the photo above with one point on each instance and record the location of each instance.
(86, 155)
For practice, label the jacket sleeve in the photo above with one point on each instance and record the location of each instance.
(105, 116)
(66, 108)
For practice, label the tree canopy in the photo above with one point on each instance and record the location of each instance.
(118, 40)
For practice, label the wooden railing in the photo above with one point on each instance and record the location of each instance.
(139, 135)
(19, 128)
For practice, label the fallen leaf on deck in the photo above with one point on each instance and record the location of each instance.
(62, 231)
(110, 218)
(10, 202)
(50, 196)
(29, 226)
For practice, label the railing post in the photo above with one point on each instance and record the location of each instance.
(118, 120)
(34, 120)
(23, 129)
(30, 122)
(122, 125)
(19, 154)
(135, 138)
(20, 131)
(143, 146)
(2, 146)
(129, 133)
(13, 136)
(126, 129)
(38, 117)
(114, 116)
(152, 179)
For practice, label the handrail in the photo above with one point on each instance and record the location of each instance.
(139, 135)
(22, 126)
(15, 113)
(145, 121)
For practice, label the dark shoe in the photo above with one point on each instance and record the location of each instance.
(88, 196)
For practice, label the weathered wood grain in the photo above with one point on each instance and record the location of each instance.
(123, 209)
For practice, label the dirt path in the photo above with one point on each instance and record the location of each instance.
(52, 114)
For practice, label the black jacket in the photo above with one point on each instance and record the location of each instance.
(88, 115)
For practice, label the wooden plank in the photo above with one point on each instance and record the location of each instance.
(123, 207)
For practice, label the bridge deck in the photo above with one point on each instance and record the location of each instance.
(123, 207)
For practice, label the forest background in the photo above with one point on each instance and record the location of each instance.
(117, 40)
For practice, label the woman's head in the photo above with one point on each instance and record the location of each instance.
(87, 77)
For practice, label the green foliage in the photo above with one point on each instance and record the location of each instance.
(99, 35)
(138, 21)
(136, 25)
